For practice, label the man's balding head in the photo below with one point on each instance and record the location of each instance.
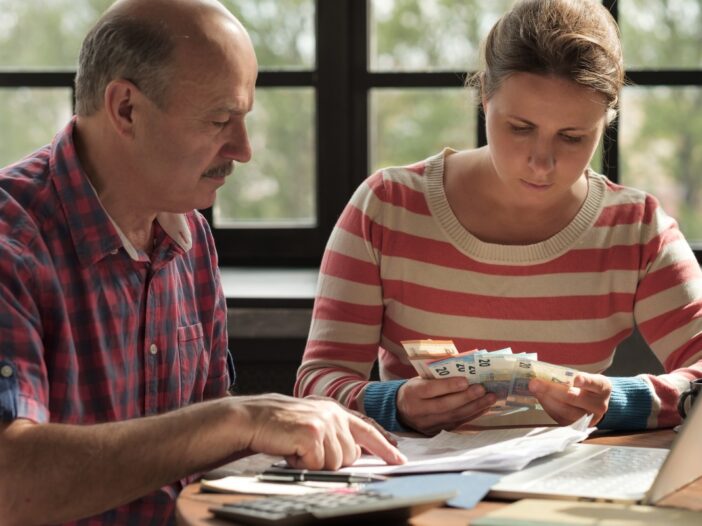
(141, 40)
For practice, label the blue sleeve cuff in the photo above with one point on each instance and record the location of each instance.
(9, 391)
(231, 370)
(379, 403)
(629, 405)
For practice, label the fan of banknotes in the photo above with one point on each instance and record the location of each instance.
(501, 372)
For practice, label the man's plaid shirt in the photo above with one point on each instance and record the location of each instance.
(93, 330)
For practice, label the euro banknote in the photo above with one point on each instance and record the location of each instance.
(501, 372)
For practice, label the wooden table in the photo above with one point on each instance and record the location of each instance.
(191, 507)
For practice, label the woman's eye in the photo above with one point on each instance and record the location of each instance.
(220, 124)
(519, 129)
(572, 138)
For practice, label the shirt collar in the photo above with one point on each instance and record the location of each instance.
(95, 234)
(174, 225)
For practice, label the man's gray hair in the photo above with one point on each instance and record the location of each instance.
(123, 47)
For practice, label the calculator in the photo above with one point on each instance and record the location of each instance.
(342, 506)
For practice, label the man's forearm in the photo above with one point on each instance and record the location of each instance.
(56, 472)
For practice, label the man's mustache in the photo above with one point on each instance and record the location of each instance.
(220, 171)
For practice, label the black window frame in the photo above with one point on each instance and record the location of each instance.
(364, 80)
(342, 83)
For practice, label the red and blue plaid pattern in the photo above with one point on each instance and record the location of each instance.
(91, 334)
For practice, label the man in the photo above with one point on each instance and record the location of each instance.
(112, 317)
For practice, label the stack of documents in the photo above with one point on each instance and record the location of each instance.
(493, 450)
(500, 372)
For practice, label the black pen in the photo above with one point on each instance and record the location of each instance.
(302, 475)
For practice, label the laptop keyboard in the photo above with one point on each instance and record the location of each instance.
(614, 471)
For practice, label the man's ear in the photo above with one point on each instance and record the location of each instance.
(120, 98)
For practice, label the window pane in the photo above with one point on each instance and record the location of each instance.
(597, 162)
(661, 130)
(661, 34)
(282, 31)
(408, 125)
(45, 34)
(41, 33)
(429, 35)
(30, 118)
(278, 185)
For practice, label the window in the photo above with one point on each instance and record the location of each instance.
(660, 130)
(348, 86)
(270, 209)
(39, 43)
(418, 54)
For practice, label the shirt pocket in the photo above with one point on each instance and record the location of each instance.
(194, 363)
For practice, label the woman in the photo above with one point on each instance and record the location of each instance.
(517, 244)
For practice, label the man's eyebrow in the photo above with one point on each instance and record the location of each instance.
(226, 109)
(231, 109)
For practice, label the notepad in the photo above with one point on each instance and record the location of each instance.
(253, 486)
(537, 512)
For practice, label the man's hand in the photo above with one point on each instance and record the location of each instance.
(313, 434)
(429, 406)
(386, 434)
(589, 395)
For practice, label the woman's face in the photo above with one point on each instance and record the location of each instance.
(542, 132)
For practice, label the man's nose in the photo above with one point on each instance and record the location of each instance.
(238, 147)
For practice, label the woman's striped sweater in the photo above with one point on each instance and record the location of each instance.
(400, 266)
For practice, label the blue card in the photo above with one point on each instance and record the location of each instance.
(471, 486)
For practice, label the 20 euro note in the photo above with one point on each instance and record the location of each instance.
(457, 365)
(554, 373)
(519, 395)
(461, 365)
(465, 366)
(501, 372)
(525, 370)
(496, 373)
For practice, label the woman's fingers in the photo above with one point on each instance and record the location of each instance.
(589, 395)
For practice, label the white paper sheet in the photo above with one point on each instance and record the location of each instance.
(253, 486)
(492, 450)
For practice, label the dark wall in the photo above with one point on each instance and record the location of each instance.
(265, 365)
(633, 357)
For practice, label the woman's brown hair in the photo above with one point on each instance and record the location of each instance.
(574, 39)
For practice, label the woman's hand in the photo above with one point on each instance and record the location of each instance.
(590, 394)
(429, 406)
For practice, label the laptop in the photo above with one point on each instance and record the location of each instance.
(601, 473)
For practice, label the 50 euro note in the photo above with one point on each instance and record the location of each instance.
(421, 353)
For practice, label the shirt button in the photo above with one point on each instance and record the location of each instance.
(114, 252)
(153, 349)
(6, 371)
